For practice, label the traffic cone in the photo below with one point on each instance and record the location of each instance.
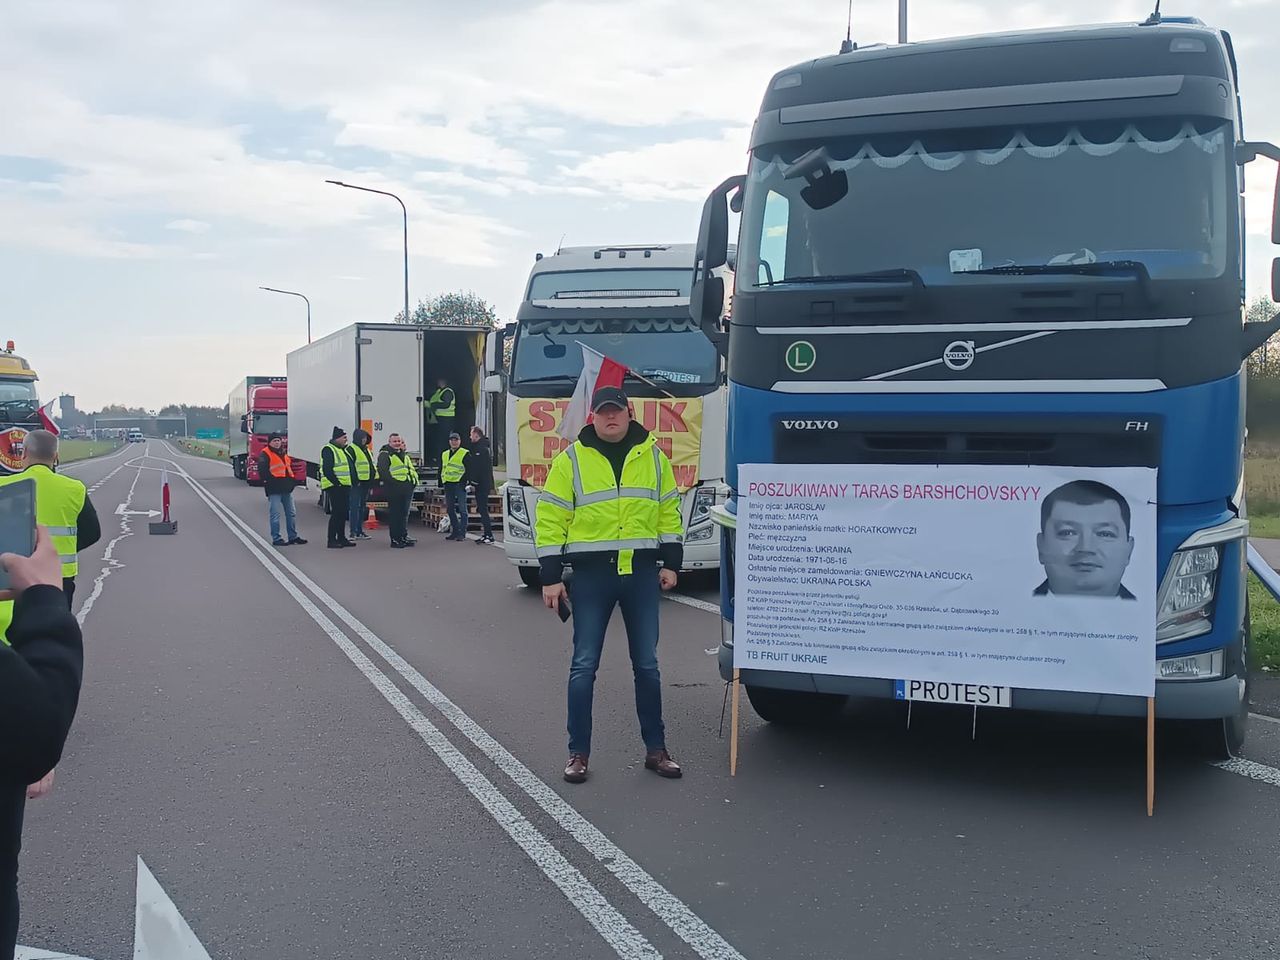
(372, 522)
(165, 525)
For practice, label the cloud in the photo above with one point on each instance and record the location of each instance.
(676, 170)
(187, 226)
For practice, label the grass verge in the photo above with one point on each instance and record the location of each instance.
(213, 449)
(69, 451)
(1264, 613)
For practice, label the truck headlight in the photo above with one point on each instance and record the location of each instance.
(515, 505)
(703, 500)
(518, 531)
(1186, 596)
(705, 532)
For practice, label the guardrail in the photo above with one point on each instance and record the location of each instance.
(1262, 570)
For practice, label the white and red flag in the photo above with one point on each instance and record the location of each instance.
(597, 371)
(46, 421)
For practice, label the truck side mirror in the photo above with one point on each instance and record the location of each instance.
(706, 298)
(493, 383)
(244, 423)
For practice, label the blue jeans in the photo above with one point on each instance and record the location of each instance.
(359, 511)
(455, 499)
(279, 502)
(596, 591)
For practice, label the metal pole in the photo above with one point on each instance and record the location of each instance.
(404, 210)
(902, 21)
(294, 293)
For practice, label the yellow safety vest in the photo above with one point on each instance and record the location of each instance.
(364, 464)
(584, 509)
(402, 468)
(341, 468)
(451, 468)
(438, 397)
(59, 500)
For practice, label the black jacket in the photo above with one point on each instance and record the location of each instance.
(88, 529)
(39, 684)
(326, 464)
(671, 555)
(385, 456)
(480, 466)
(273, 485)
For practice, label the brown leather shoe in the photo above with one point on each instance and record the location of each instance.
(660, 762)
(575, 770)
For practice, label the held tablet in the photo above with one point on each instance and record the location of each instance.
(17, 521)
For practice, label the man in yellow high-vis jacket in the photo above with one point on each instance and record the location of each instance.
(611, 509)
(62, 505)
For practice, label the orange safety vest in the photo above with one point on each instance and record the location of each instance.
(281, 467)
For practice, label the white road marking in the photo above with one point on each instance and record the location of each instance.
(1251, 769)
(703, 605)
(159, 930)
(618, 932)
(109, 562)
(1263, 716)
(670, 909)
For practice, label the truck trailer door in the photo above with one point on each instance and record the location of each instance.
(390, 378)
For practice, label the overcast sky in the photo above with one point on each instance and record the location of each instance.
(160, 161)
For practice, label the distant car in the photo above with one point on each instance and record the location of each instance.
(135, 436)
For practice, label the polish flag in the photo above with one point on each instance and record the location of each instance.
(46, 421)
(597, 371)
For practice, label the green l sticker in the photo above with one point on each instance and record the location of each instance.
(801, 356)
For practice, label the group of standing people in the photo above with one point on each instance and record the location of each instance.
(348, 470)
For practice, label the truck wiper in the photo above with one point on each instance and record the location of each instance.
(547, 378)
(1095, 268)
(896, 275)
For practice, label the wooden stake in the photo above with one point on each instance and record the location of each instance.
(733, 727)
(1151, 755)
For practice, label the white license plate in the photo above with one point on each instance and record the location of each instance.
(938, 691)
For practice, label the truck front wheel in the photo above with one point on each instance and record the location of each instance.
(529, 576)
(794, 707)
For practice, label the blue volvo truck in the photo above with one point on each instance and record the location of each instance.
(1023, 248)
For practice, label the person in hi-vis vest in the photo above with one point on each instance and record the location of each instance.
(275, 467)
(335, 477)
(62, 505)
(64, 508)
(453, 472)
(442, 410)
(366, 471)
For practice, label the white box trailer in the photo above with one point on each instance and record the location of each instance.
(375, 376)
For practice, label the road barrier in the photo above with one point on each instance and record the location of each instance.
(1262, 570)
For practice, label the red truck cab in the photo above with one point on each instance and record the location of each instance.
(268, 414)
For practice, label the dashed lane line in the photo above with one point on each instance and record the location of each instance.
(672, 911)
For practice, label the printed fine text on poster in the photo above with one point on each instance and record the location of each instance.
(1030, 577)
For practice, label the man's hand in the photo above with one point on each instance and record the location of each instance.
(41, 787)
(41, 568)
(667, 579)
(551, 595)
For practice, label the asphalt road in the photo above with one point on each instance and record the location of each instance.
(357, 754)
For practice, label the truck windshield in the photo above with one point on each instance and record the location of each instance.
(271, 423)
(1153, 192)
(667, 351)
(566, 284)
(17, 399)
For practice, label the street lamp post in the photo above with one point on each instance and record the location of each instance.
(902, 21)
(405, 211)
(294, 293)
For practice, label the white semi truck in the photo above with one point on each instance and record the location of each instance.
(374, 376)
(629, 303)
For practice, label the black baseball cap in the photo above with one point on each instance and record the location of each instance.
(454, 436)
(608, 397)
